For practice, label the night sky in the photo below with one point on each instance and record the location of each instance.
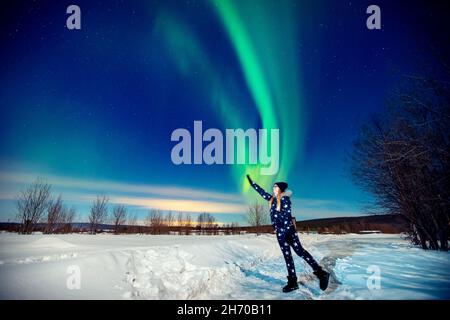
(92, 110)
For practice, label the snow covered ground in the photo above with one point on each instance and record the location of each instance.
(214, 267)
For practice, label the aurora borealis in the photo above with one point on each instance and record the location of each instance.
(93, 109)
(271, 79)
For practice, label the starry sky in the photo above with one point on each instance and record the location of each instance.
(92, 110)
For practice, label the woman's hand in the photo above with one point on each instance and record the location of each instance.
(264, 194)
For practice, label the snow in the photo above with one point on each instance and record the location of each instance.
(215, 267)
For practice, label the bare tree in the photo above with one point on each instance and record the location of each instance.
(132, 220)
(188, 224)
(170, 219)
(133, 224)
(155, 221)
(206, 222)
(180, 218)
(119, 216)
(180, 221)
(256, 216)
(200, 222)
(67, 219)
(214, 225)
(54, 214)
(98, 213)
(32, 203)
(59, 217)
(403, 160)
(234, 227)
(210, 221)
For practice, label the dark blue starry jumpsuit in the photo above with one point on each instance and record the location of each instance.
(285, 231)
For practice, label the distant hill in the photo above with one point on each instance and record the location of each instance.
(383, 223)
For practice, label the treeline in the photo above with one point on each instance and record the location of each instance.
(39, 210)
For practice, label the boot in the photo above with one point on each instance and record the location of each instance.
(291, 284)
(324, 277)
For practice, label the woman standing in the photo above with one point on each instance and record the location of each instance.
(281, 218)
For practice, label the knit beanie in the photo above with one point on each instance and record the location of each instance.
(282, 185)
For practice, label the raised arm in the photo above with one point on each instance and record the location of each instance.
(267, 196)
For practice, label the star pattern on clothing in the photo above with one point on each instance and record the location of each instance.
(278, 218)
(285, 231)
(289, 239)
